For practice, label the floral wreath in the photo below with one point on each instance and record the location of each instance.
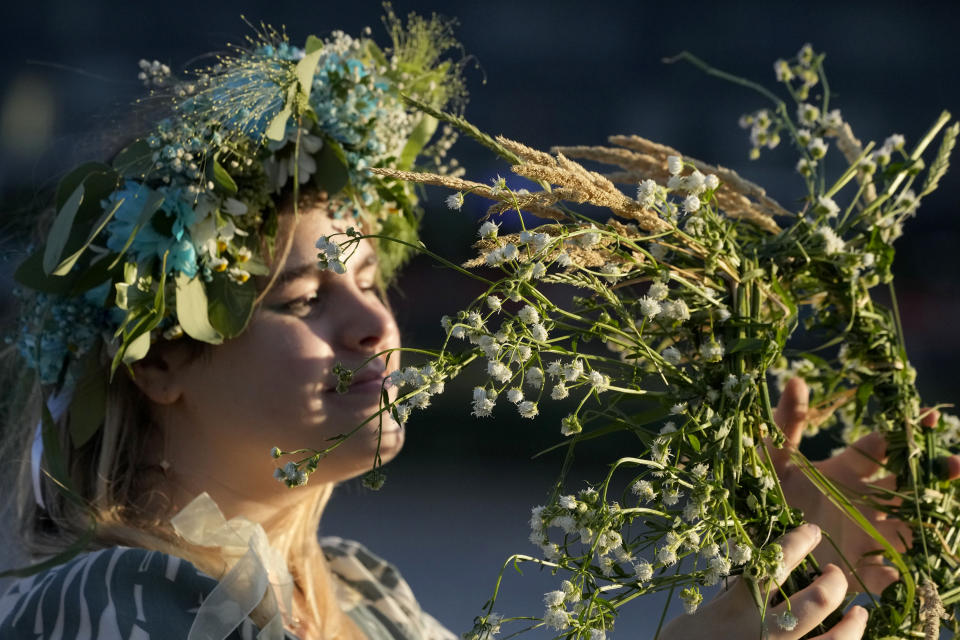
(163, 241)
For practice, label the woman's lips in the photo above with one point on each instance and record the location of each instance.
(361, 387)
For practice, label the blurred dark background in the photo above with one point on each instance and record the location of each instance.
(545, 73)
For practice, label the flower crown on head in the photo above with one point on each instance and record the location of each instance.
(163, 241)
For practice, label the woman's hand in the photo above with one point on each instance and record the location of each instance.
(849, 469)
(734, 614)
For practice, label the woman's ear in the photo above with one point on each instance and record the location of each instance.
(160, 374)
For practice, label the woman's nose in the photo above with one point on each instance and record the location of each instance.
(367, 325)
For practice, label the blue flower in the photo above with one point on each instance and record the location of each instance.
(150, 242)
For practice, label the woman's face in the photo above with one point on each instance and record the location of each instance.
(274, 385)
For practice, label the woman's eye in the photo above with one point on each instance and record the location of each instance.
(301, 306)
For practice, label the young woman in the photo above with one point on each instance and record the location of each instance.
(179, 325)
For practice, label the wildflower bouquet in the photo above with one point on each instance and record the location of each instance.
(668, 316)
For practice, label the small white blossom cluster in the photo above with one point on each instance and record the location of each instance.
(330, 256)
(153, 74)
(426, 382)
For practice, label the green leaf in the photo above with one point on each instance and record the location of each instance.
(192, 310)
(277, 129)
(135, 160)
(60, 231)
(307, 65)
(69, 183)
(89, 404)
(747, 345)
(220, 178)
(694, 442)
(67, 263)
(331, 173)
(137, 348)
(418, 139)
(30, 274)
(230, 304)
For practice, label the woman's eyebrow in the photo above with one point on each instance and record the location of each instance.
(296, 273)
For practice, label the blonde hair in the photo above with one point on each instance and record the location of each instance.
(116, 480)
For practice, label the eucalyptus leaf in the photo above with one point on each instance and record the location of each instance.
(69, 183)
(192, 310)
(60, 231)
(418, 139)
(230, 304)
(30, 274)
(88, 407)
(67, 263)
(331, 175)
(277, 129)
(220, 178)
(307, 65)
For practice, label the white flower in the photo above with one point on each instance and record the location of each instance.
(539, 242)
(554, 598)
(674, 164)
(644, 571)
(678, 408)
(528, 315)
(455, 201)
(787, 621)
(668, 427)
(782, 70)
(804, 136)
(676, 310)
(832, 242)
(808, 114)
(568, 502)
(498, 371)
(658, 291)
(647, 193)
(597, 634)
(817, 148)
(691, 598)
(534, 377)
(489, 230)
(832, 120)
(712, 182)
(538, 270)
(691, 204)
(649, 307)
(712, 351)
(598, 381)
(573, 371)
(494, 303)
(559, 391)
(564, 260)
(895, 141)
(588, 239)
(514, 395)
(666, 556)
(671, 496)
(741, 553)
(700, 470)
(556, 619)
(827, 206)
(671, 355)
(555, 369)
(570, 425)
(528, 409)
(717, 569)
(510, 252)
(538, 332)
(643, 489)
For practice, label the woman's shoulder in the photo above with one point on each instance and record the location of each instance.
(118, 592)
(375, 595)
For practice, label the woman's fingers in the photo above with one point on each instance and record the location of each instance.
(851, 627)
(791, 411)
(810, 606)
(859, 460)
(796, 545)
